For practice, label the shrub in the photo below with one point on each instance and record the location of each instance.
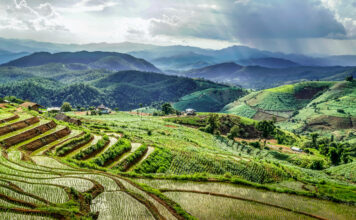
(66, 107)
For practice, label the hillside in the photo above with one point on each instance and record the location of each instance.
(217, 72)
(258, 77)
(96, 60)
(209, 100)
(125, 89)
(269, 62)
(303, 107)
(52, 169)
(183, 61)
(6, 56)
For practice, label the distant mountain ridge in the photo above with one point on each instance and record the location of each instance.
(258, 77)
(269, 62)
(156, 54)
(98, 60)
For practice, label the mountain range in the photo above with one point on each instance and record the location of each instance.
(181, 58)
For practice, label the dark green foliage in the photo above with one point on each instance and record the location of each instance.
(132, 158)
(167, 109)
(115, 151)
(92, 149)
(314, 137)
(67, 147)
(210, 100)
(266, 127)
(13, 99)
(255, 144)
(158, 162)
(334, 155)
(125, 89)
(213, 124)
(349, 78)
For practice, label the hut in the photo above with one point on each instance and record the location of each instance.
(190, 111)
(54, 109)
(102, 109)
(63, 117)
(31, 106)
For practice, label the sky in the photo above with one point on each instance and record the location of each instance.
(292, 26)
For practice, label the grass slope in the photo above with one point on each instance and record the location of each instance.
(209, 100)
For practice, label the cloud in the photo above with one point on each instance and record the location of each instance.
(244, 19)
(19, 15)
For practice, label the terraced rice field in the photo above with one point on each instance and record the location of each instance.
(37, 183)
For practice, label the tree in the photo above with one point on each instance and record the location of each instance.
(266, 127)
(66, 107)
(314, 137)
(349, 78)
(334, 156)
(168, 109)
(213, 125)
(234, 132)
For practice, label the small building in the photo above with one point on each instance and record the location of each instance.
(296, 149)
(63, 117)
(190, 111)
(102, 109)
(31, 106)
(54, 109)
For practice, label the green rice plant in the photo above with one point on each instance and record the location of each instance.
(93, 149)
(158, 162)
(205, 207)
(114, 152)
(72, 144)
(121, 206)
(132, 158)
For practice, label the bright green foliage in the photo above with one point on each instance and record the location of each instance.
(115, 151)
(183, 163)
(69, 146)
(92, 149)
(132, 158)
(66, 107)
(158, 162)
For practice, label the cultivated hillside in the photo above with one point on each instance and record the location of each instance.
(303, 107)
(126, 166)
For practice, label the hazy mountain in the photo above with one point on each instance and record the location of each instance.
(217, 72)
(184, 61)
(163, 56)
(258, 77)
(269, 62)
(98, 60)
(6, 56)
